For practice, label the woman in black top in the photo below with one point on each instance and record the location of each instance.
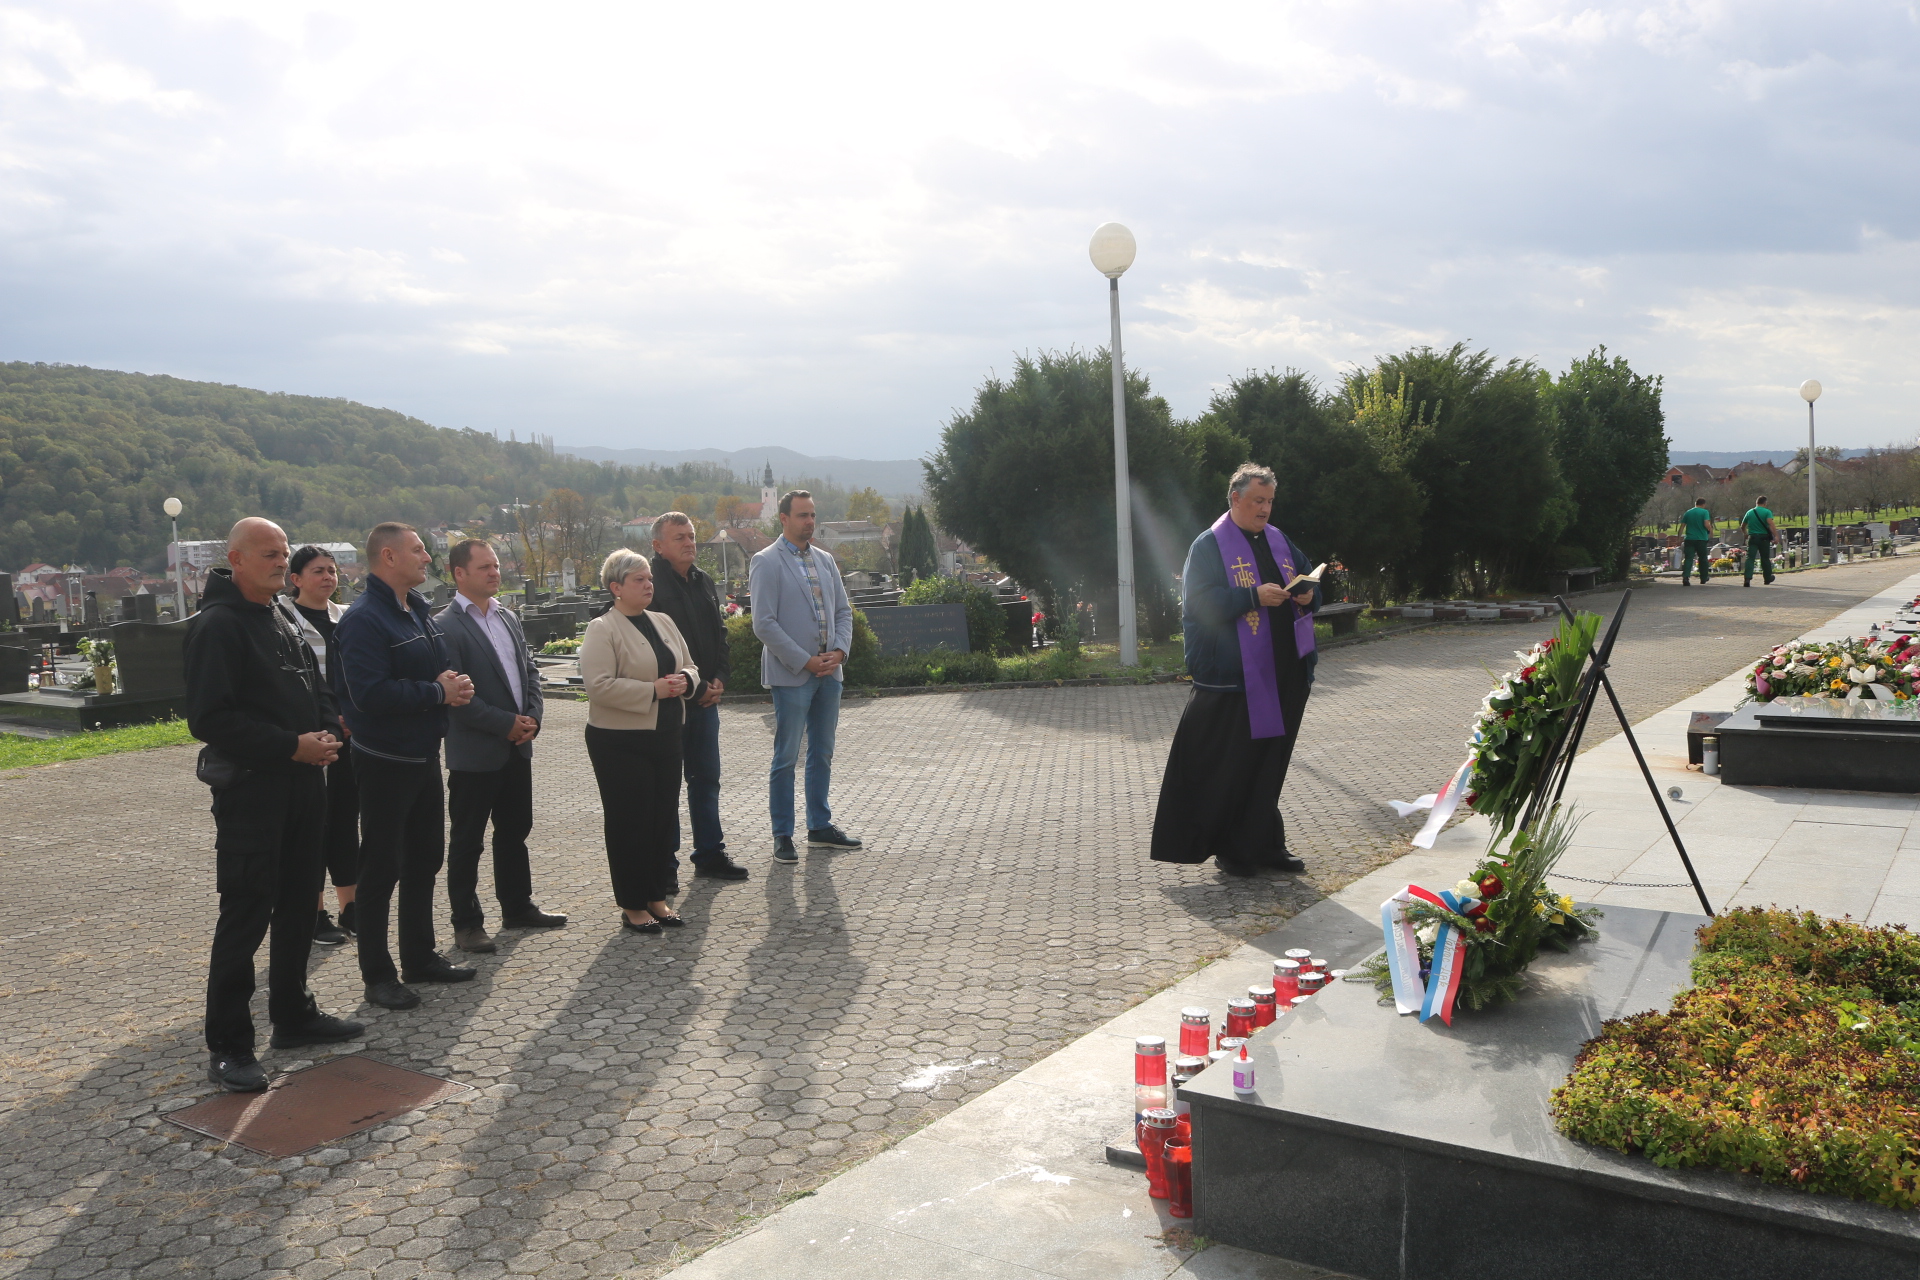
(312, 577)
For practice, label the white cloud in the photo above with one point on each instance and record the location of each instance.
(675, 221)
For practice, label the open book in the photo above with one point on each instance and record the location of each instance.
(1308, 580)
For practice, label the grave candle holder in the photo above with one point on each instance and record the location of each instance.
(1299, 955)
(1264, 1010)
(1239, 1018)
(1178, 1155)
(1286, 980)
(1312, 982)
(1149, 1079)
(1156, 1126)
(1196, 1030)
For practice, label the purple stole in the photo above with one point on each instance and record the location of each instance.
(1256, 650)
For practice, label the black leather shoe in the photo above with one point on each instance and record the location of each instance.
(326, 934)
(391, 995)
(532, 917)
(832, 838)
(722, 868)
(1287, 862)
(439, 969)
(651, 926)
(346, 921)
(321, 1028)
(236, 1073)
(783, 850)
(1232, 867)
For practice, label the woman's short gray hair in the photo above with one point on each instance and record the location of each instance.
(617, 566)
(1248, 474)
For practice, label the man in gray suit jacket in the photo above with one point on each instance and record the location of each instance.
(489, 751)
(805, 623)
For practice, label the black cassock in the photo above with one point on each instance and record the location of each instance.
(1221, 793)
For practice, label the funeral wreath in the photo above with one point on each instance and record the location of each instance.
(1852, 668)
(1521, 720)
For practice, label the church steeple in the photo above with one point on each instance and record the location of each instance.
(769, 500)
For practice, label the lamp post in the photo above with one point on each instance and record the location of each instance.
(172, 507)
(1112, 252)
(1810, 391)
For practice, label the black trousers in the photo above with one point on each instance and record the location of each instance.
(343, 822)
(402, 843)
(639, 775)
(504, 796)
(267, 855)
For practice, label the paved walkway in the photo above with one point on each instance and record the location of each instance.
(640, 1099)
(1014, 1185)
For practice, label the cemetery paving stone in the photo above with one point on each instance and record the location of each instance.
(640, 1098)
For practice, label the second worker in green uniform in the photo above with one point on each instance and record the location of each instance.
(1758, 524)
(1696, 540)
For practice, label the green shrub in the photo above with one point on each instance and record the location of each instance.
(986, 618)
(1796, 1057)
(743, 653)
(938, 666)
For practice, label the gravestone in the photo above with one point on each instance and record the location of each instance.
(146, 608)
(918, 628)
(39, 609)
(152, 658)
(9, 603)
(90, 616)
(15, 665)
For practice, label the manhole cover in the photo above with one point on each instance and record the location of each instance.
(311, 1108)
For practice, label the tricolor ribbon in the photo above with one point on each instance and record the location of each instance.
(1436, 993)
(1442, 803)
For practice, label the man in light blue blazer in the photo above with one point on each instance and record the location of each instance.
(805, 623)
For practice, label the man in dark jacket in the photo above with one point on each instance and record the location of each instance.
(1250, 652)
(395, 676)
(685, 593)
(489, 752)
(255, 697)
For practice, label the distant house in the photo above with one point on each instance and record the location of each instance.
(342, 552)
(637, 529)
(1696, 473)
(834, 534)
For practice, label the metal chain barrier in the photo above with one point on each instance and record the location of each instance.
(1622, 884)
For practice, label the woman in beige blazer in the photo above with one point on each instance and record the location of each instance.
(638, 673)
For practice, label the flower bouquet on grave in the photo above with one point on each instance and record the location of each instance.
(1469, 946)
(1519, 722)
(1854, 669)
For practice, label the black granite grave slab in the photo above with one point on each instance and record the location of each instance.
(1386, 1148)
(1822, 743)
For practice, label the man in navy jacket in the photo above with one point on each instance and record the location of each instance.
(392, 671)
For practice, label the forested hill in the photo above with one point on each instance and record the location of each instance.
(88, 455)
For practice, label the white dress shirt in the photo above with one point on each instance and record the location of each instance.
(497, 632)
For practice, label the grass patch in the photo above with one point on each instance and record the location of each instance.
(17, 752)
(1795, 1057)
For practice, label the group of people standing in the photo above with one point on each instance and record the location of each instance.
(324, 724)
(1696, 541)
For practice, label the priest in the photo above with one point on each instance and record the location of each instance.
(1250, 652)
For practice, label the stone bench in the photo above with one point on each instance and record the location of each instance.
(1564, 581)
(1344, 619)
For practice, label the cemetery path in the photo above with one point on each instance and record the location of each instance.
(640, 1097)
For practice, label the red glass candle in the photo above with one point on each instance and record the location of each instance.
(1312, 982)
(1286, 980)
(1184, 1070)
(1178, 1155)
(1156, 1126)
(1149, 1077)
(1301, 1002)
(1301, 955)
(1263, 1006)
(1196, 1030)
(1318, 965)
(1239, 1018)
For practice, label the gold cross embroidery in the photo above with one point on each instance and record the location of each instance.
(1243, 576)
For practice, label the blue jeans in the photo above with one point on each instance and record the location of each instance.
(700, 749)
(813, 707)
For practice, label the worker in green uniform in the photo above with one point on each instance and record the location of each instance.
(1696, 540)
(1758, 522)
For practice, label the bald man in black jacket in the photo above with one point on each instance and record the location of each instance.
(256, 698)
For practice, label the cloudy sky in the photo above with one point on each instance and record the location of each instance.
(821, 225)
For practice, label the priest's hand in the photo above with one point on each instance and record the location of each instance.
(1272, 595)
(1304, 597)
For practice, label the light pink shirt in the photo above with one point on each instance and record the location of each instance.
(501, 637)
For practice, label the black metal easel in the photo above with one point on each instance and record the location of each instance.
(1574, 726)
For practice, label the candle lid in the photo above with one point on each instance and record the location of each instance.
(1160, 1117)
(1230, 1043)
(1195, 1013)
(1286, 966)
(1190, 1064)
(1150, 1044)
(1240, 1004)
(1299, 953)
(1215, 1056)
(1260, 995)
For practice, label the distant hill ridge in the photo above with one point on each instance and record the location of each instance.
(893, 479)
(1724, 458)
